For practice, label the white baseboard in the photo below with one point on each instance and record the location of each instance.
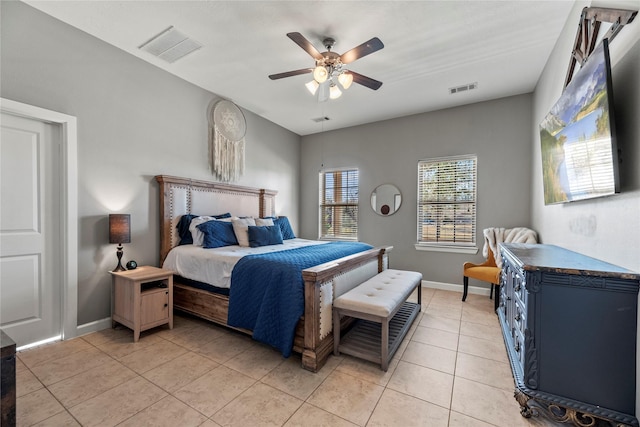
(454, 287)
(94, 326)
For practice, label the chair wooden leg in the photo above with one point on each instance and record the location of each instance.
(466, 288)
(496, 303)
(491, 292)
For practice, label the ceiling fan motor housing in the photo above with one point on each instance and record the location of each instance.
(331, 60)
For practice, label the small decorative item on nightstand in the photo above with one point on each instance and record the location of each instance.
(119, 232)
(131, 265)
(142, 299)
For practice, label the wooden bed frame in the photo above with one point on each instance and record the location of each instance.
(322, 283)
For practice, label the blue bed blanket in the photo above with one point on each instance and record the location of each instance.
(267, 290)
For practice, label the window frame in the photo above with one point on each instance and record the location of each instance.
(322, 204)
(447, 245)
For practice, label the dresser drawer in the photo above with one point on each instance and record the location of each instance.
(519, 288)
(518, 348)
(519, 318)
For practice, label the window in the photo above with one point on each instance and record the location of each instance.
(447, 202)
(339, 204)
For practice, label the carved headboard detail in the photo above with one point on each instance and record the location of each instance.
(180, 196)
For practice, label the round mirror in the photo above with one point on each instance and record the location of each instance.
(386, 199)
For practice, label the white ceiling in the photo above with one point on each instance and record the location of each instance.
(430, 46)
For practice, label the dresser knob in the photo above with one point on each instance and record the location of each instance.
(518, 317)
(517, 346)
(166, 305)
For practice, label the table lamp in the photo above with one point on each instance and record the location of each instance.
(119, 232)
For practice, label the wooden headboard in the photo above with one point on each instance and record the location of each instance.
(180, 196)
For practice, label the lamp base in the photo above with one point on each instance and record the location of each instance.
(119, 268)
(119, 253)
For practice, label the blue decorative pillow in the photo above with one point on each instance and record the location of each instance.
(264, 235)
(285, 227)
(217, 234)
(183, 227)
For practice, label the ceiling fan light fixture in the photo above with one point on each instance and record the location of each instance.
(312, 86)
(334, 91)
(320, 74)
(345, 79)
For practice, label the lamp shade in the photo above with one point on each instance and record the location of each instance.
(345, 80)
(312, 86)
(320, 74)
(119, 228)
(334, 92)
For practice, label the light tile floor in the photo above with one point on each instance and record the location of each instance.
(451, 370)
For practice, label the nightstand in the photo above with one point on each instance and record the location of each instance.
(142, 299)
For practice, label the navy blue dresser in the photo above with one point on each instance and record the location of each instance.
(7, 381)
(569, 325)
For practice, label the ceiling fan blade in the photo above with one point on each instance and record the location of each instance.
(305, 44)
(364, 49)
(290, 73)
(365, 81)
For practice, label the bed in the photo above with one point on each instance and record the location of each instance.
(322, 283)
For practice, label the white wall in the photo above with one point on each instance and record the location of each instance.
(388, 152)
(605, 228)
(135, 121)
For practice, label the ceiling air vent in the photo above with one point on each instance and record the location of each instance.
(321, 119)
(170, 45)
(463, 88)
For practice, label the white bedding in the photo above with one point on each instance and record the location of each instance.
(214, 266)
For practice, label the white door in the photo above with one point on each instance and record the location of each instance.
(30, 240)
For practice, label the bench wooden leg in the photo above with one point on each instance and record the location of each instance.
(384, 351)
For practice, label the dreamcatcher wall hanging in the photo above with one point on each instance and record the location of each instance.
(227, 128)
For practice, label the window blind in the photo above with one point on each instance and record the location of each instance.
(447, 201)
(339, 204)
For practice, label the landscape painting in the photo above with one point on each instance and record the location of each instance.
(579, 158)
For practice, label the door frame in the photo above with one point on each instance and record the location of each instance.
(69, 204)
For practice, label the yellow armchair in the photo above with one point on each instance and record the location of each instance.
(486, 272)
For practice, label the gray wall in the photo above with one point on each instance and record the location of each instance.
(498, 132)
(606, 228)
(135, 121)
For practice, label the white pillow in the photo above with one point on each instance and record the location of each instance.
(241, 229)
(196, 234)
(264, 221)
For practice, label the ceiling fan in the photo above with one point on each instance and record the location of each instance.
(329, 71)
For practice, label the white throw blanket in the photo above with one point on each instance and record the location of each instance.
(494, 236)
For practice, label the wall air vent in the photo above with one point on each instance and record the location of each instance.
(321, 119)
(463, 88)
(170, 45)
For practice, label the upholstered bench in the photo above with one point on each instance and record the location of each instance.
(386, 315)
